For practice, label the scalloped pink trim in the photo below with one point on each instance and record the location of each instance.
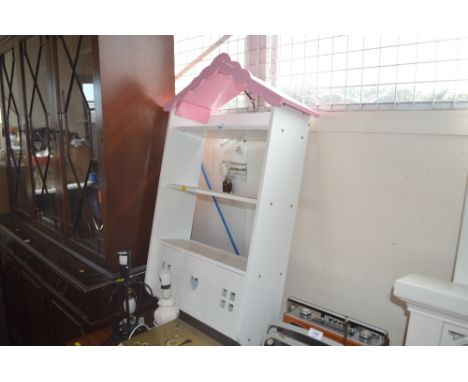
(218, 83)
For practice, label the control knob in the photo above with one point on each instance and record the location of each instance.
(304, 312)
(365, 335)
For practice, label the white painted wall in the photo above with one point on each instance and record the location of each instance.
(382, 197)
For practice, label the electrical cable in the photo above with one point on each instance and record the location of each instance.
(111, 297)
(137, 303)
(136, 328)
(129, 284)
(220, 212)
(117, 338)
(144, 285)
(119, 284)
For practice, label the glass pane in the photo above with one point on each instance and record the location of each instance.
(386, 94)
(462, 92)
(424, 92)
(80, 137)
(353, 95)
(339, 78)
(370, 76)
(337, 96)
(444, 91)
(405, 93)
(369, 94)
(43, 138)
(17, 136)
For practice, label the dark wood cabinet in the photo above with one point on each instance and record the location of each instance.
(84, 127)
(12, 297)
(50, 300)
(34, 302)
(63, 326)
(85, 131)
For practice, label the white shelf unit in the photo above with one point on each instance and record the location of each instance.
(238, 296)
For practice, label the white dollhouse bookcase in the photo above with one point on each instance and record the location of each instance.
(238, 295)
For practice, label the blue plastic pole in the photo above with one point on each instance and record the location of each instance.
(220, 212)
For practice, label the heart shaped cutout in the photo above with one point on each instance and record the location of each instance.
(194, 282)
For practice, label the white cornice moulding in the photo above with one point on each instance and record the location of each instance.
(432, 294)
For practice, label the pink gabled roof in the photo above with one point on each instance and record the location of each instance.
(220, 82)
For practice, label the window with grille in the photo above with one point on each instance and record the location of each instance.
(343, 71)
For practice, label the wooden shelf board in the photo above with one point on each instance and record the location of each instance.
(234, 132)
(221, 195)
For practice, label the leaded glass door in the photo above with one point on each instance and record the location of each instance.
(76, 72)
(16, 131)
(43, 132)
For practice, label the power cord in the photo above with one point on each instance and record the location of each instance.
(131, 301)
(136, 328)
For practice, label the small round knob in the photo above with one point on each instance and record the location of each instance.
(269, 342)
(305, 312)
(365, 334)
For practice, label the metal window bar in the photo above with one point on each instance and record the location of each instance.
(407, 73)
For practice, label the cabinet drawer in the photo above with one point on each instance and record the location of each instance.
(33, 263)
(63, 325)
(26, 258)
(64, 288)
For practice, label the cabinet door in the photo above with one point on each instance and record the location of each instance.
(225, 301)
(15, 131)
(63, 326)
(194, 291)
(454, 335)
(35, 310)
(13, 301)
(76, 77)
(43, 132)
